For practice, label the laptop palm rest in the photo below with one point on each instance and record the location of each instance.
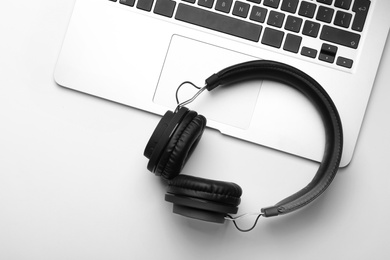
(191, 60)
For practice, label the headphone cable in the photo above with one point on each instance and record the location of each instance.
(229, 217)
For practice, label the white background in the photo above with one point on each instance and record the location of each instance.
(74, 184)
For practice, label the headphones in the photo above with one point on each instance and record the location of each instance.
(178, 133)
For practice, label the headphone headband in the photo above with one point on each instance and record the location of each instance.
(283, 73)
(178, 133)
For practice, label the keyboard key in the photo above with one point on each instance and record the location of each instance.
(307, 9)
(275, 19)
(241, 9)
(290, 5)
(218, 22)
(360, 7)
(223, 5)
(339, 36)
(344, 4)
(328, 2)
(190, 1)
(311, 29)
(326, 57)
(271, 3)
(309, 52)
(127, 2)
(292, 43)
(344, 62)
(145, 5)
(293, 24)
(272, 37)
(330, 49)
(328, 53)
(206, 3)
(325, 14)
(165, 7)
(255, 1)
(343, 19)
(258, 14)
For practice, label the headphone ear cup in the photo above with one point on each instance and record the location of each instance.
(161, 136)
(181, 145)
(203, 199)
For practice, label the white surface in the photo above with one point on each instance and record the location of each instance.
(74, 184)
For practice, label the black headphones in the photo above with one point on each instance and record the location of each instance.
(178, 133)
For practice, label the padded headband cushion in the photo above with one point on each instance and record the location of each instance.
(205, 189)
(181, 145)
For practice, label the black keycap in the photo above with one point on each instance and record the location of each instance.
(218, 22)
(275, 19)
(206, 3)
(309, 52)
(325, 14)
(344, 4)
(343, 19)
(292, 43)
(271, 3)
(293, 23)
(326, 57)
(290, 5)
(145, 5)
(328, 53)
(307, 9)
(165, 7)
(311, 29)
(223, 5)
(241, 9)
(258, 14)
(339, 36)
(272, 37)
(190, 1)
(329, 49)
(360, 7)
(344, 62)
(127, 2)
(328, 2)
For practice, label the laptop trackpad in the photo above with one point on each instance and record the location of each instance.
(191, 60)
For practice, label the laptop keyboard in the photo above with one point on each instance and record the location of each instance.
(279, 24)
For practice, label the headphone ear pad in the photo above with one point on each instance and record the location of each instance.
(205, 189)
(181, 145)
(204, 199)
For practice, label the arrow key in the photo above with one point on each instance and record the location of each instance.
(328, 53)
(309, 52)
(344, 62)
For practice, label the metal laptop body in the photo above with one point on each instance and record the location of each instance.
(121, 52)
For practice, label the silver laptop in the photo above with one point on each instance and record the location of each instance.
(137, 52)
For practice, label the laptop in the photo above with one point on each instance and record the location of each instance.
(137, 53)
